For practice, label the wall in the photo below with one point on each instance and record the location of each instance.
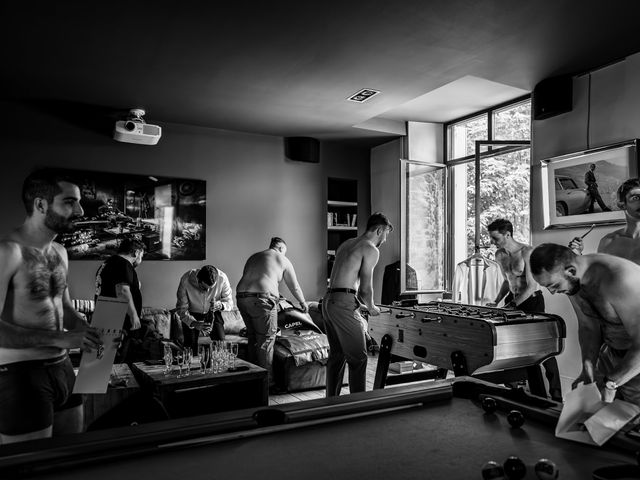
(385, 198)
(253, 192)
(612, 115)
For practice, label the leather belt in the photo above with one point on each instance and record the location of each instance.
(342, 290)
(255, 294)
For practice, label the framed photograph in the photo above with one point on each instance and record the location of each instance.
(167, 214)
(580, 189)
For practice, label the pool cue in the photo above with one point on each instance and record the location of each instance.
(587, 232)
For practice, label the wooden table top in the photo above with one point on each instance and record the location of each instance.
(120, 372)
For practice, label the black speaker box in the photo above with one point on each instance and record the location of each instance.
(302, 149)
(552, 96)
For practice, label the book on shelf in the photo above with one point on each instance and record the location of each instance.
(354, 218)
(329, 219)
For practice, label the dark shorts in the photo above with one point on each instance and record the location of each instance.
(535, 303)
(31, 391)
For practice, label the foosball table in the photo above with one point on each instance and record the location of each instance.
(494, 344)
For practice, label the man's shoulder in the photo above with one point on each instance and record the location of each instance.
(10, 245)
(613, 235)
(526, 250)
(500, 253)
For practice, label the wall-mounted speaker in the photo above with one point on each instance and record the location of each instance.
(302, 149)
(552, 97)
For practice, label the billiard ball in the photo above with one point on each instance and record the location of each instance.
(546, 470)
(489, 404)
(514, 468)
(515, 418)
(492, 471)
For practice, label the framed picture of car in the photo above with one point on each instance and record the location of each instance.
(580, 188)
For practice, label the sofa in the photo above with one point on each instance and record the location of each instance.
(163, 324)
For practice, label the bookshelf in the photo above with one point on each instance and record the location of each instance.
(342, 215)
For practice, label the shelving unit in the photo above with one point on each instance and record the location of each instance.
(342, 215)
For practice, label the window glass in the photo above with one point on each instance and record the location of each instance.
(513, 122)
(462, 136)
(425, 219)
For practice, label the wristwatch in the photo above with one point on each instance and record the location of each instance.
(610, 384)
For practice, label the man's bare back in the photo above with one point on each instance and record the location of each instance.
(600, 295)
(263, 272)
(346, 268)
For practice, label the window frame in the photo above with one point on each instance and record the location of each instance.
(448, 163)
(403, 224)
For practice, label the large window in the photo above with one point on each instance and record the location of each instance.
(439, 204)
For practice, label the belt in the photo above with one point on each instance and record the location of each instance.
(342, 290)
(255, 295)
(46, 362)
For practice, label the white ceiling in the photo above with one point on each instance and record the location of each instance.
(285, 67)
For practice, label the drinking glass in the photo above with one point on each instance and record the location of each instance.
(234, 355)
(180, 362)
(204, 355)
(188, 358)
(168, 359)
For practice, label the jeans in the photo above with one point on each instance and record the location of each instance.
(260, 316)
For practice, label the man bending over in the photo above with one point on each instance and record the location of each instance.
(603, 290)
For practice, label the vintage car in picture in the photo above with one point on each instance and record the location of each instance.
(570, 199)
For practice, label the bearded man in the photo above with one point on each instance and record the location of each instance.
(38, 322)
(603, 290)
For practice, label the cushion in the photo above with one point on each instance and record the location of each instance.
(305, 346)
(233, 322)
(160, 318)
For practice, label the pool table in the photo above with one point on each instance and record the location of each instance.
(434, 430)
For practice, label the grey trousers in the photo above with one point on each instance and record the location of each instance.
(345, 329)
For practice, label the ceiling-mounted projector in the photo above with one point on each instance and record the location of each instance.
(135, 130)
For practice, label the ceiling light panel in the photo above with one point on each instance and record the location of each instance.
(363, 95)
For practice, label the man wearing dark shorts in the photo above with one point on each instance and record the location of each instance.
(38, 322)
(521, 289)
(257, 297)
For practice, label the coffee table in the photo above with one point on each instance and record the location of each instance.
(199, 394)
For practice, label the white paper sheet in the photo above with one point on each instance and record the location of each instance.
(95, 367)
(586, 418)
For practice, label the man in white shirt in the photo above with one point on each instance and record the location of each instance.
(202, 294)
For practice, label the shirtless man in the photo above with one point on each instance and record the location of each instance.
(603, 290)
(352, 277)
(513, 257)
(38, 323)
(624, 242)
(257, 296)
(520, 289)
